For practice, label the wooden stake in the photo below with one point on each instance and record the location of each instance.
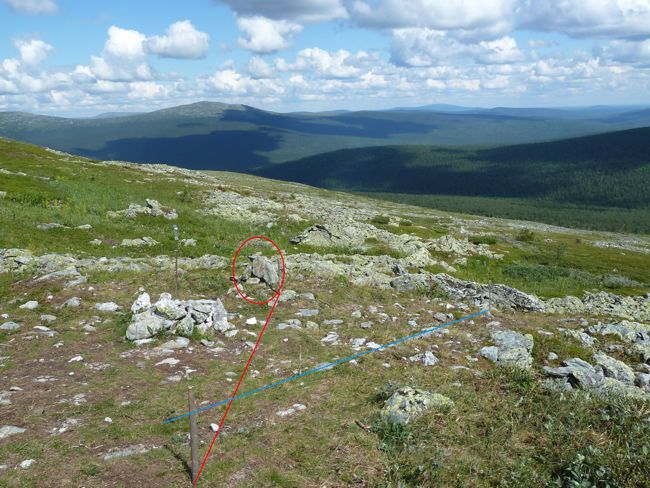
(194, 436)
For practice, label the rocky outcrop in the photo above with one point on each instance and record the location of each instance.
(483, 296)
(139, 242)
(175, 316)
(153, 208)
(609, 376)
(512, 349)
(603, 303)
(407, 404)
(460, 247)
(69, 267)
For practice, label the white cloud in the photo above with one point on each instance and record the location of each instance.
(587, 18)
(258, 68)
(230, 82)
(427, 47)
(467, 18)
(302, 11)
(634, 52)
(33, 7)
(338, 64)
(123, 57)
(182, 40)
(264, 36)
(33, 51)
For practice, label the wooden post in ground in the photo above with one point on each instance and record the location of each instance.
(176, 270)
(194, 435)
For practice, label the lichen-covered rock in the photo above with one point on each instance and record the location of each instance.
(140, 242)
(147, 324)
(153, 209)
(513, 349)
(613, 368)
(407, 404)
(460, 247)
(481, 295)
(176, 316)
(263, 269)
(579, 373)
(411, 282)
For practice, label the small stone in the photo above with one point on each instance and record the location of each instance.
(9, 430)
(108, 420)
(107, 307)
(30, 305)
(330, 339)
(48, 318)
(491, 353)
(178, 343)
(440, 317)
(552, 356)
(76, 359)
(365, 325)
(356, 314)
(73, 302)
(251, 321)
(95, 242)
(26, 463)
(169, 361)
(214, 427)
(9, 326)
(305, 312)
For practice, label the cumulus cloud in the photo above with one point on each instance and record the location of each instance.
(338, 64)
(587, 18)
(123, 57)
(264, 36)
(230, 82)
(634, 52)
(33, 7)
(467, 18)
(302, 11)
(426, 47)
(258, 68)
(181, 40)
(33, 51)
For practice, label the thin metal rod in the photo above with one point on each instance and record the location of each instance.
(194, 436)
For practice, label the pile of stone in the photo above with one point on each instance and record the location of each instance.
(169, 316)
(153, 209)
(262, 270)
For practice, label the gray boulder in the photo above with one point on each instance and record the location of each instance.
(579, 373)
(613, 368)
(407, 404)
(512, 349)
(263, 269)
(147, 324)
(10, 326)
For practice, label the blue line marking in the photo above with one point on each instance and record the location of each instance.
(325, 366)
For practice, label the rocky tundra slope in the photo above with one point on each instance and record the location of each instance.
(100, 337)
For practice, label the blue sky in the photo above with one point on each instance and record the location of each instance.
(85, 57)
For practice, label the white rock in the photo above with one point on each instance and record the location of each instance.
(48, 318)
(170, 361)
(8, 430)
(372, 345)
(107, 307)
(26, 463)
(251, 321)
(73, 302)
(108, 420)
(142, 303)
(10, 326)
(214, 427)
(76, 359)
(30, 305)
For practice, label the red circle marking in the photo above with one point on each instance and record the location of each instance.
(234, 277)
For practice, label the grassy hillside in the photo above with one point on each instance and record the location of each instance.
(598, 181)
(92, 403)
(235, 137)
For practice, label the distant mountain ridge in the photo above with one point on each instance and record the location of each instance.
(214, 135)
